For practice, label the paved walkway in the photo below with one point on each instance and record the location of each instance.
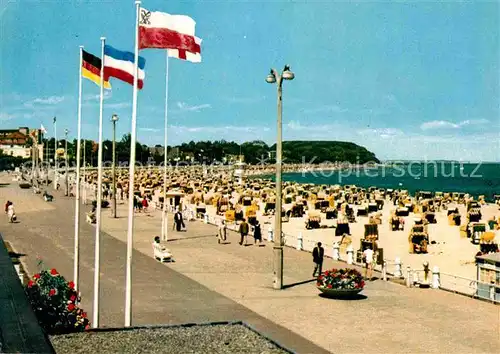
(391, 319)
(160, 295)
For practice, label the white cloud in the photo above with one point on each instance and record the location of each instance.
(52, 100)
(152, 130)
(6, 116)
(384, 133)
(297, 126)
(443, 124)
(196, 108)
(223, 129)
(106, 95)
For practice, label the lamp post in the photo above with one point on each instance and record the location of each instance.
(275, 77)
(114, 119)
(66, 131)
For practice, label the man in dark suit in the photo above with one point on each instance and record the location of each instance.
(318, 254)
(178, 220)
(244, 228)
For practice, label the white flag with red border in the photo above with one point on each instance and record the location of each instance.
(173, 32)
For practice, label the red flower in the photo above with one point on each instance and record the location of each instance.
(87, 327)
(36, 276)
(84, 314)
(71, 307)
(54, 272)
(329, 286)
(30, 283)
(52, 292)
(72, 298)
(71, 285)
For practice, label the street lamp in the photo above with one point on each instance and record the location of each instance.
(275, 77)
(66, 131)
(114, 119)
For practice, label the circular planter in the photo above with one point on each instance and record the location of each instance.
(339, 293)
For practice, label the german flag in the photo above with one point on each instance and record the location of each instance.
(91, 69)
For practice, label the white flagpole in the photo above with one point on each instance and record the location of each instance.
(84, 191)
(164, 224)
(133, 138)
(76, 270)
(55, 153)
(97, 251)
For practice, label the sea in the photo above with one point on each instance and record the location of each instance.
(473, 178)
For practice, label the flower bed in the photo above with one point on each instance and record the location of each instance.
(55, 303)
(341, 279)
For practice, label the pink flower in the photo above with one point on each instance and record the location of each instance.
(72, 298)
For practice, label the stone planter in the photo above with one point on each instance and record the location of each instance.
(339, 293)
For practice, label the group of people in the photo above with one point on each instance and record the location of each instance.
(9, 210)
(244, 230)
(141, 204)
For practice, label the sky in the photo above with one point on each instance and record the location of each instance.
(406, 80)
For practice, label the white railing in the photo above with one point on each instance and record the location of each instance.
(470, 287)
(431, 276)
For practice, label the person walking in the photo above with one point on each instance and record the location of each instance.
(318, 255)
(222, 232)
(257, 233)
(368, 259)
(243, 231)
(178, 220)
(145, 204)
(11, 214)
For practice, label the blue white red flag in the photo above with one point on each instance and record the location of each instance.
(120, 64)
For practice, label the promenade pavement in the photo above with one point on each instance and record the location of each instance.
(390, 318)
(160, 295)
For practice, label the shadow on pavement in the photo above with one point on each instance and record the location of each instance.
(299, 283)
(345, 298)
(190, 238)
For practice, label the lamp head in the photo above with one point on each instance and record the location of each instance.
(271, 78)
(114, 118)
(287, 73)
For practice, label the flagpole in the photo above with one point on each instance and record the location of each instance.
(164, 223)
(55, 153)
(84, 175)
(133, 138)
(76, 270)
(97, 252)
